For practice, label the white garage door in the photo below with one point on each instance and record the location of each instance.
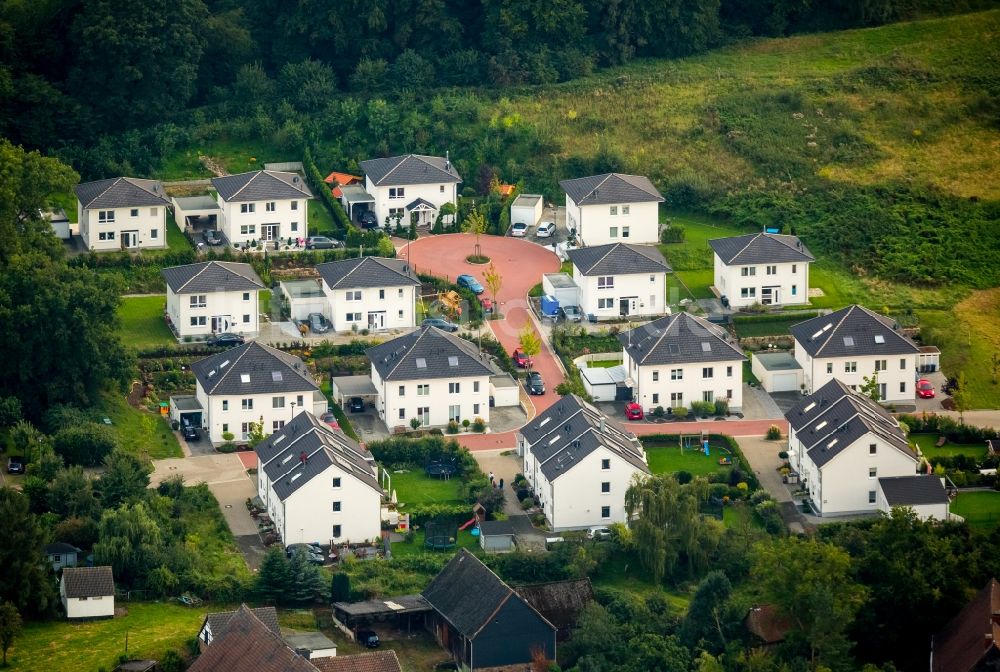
(784, 382)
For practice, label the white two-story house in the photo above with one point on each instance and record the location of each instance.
(613, 208)
(579, 464)
(212, 297)
(249, 383)
(263, 206)
(765, 268)
(411, 184)
(853, 343)
(681, 358)
(619, 279)
(841, 443)
(430, 375)
(122, 213)
(318, 485)
(370, 293)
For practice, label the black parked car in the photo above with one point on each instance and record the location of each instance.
(211, 237)
(368, 638)
(191, 433)
(15, 465)
(369, 220)
(226, 340)
(356, 405)
(534, 383)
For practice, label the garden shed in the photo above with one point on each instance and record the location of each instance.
(526, 208)
(777, 371)
(303, 297)
(496, 536)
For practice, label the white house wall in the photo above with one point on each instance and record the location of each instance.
(394, 302)
(791, 280)
(149, 222)
(473, 403)
(240, 307)
(291, 223)
(595, 225)
(726, 383)
(437, 193)
(218, 421)
(646, 293)
(899, 376)
(92, 607)
(923, 511)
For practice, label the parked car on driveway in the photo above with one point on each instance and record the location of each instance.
(312, 552)
(519, 230)
(521, 359)
(211, 237)
(633, 411)
(369, 220)
(226, 340)
(191, 433)
(440, 323)
(466, 280)
(356, 405)
(368, 639)
(534, 383)
(545, 230)
(15, 465)
(925, 390)
(571, 313)
(318, 324)
(322, 243)
(598, 532)
(330, 419)
(486, 303)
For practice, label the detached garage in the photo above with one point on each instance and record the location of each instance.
(607, 384)
(777, 371)
(526, 208)
(304, 297)
(504, 391)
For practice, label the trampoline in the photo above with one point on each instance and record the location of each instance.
(441, 469)
(440, 535)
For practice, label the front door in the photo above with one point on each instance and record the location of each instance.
(376, 320)
(770, 296)
(623, 307)
(269, 232)
(130, 239)
(220, 324)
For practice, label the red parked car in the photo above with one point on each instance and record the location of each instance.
(924, 389)
(522, 360)
(633, 411)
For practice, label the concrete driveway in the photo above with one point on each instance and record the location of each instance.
(763, 458)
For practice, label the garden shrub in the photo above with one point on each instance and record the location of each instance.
(773, 433)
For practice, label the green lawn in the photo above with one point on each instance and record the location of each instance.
(264, 301)
(669, 459)
(139, 432)
(732, 516)
(698, 282)
(142, 321)
(929, 449)
(764, 328)
(624, 573)
(748, 376)
(151, 628)
(604, 363)
(65, 200)
(676, 291)
(320, 219)
(415, 487)
(980, 509)
(416, 547)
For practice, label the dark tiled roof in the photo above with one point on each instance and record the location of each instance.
(367, 272)
(218, 621)
(834, 416)
(760, 248)
(252, 368)
(410, 169)
(212, 276)
(618, 259)
(417, 202)
(971, 636)
(768, 623)
(425, 353)
(61, 547)
(261, 185)
(849, 332)
(88, 581)
(496, 527)
(560, 602)
(680, 338)
(466, 593)
(570, 430)
(120, 192)
(282, 453)
(374, 661)
(248, 644)
(611, 188)
(913, 490)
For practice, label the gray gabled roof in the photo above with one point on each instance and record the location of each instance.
(261, 185)
(306, 448)
(212, 276)
(466, 593)
(570, 430)
(367, 272)
(120, 192)
(252, 368)
(88, 581)
(835, 416)
(410, 169)
(61, 547)
(913, 490)
(618, 259)
(680, 338)
(760, 248)
(218, 621)
(849, 332)
(426, 353)
(611, 188)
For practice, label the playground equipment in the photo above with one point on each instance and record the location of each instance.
(442, 469)
(440, 535)
(451, 302)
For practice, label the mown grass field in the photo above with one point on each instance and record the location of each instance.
(929, 448)
(142, 323)
(980, 509)
(415, 487)
(139, 432)
(669, 459)
(776, 328)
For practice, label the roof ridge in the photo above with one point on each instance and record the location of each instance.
(204, 267)
(246, 184)
(672, 320)
(114, 181)
(402, 160)
(833, 330)
(231, 366)
(596, 187)
(753, 237)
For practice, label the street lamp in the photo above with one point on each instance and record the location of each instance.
(293, 410)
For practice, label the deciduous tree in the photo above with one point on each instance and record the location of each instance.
(24, 580)
(494, 281)
(125, 478)
(529, 341)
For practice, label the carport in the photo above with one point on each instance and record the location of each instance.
(928, 359)
(186, 410)
(196, 212)
(777, 371)
(403, 612)
(356, 200)
(343, 388)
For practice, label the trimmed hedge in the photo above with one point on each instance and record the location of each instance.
(951, 428)
(398, 452)
(775, 317)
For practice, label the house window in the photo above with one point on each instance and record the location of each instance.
(872, 472)
(902, 364)
(605, 487)
(396, 213)
(105, 216)
(353, 317)
(106, 235)
(729, 394)
(336, 482)
(676, 374)
(748, 271)
(441, 190)
(881, 365)
(199, 300)
(402, 390)
(298, 401)
(795, 290)
(246, 296)
(381, 293)
(134, 212)
(295, 226)
(605, 282)
(729, 372)
(225, 404)
(603, 304)
(277, 424)
(248, 207)
(199, 321)
(248, 229)
(475, 386)
(605, 512)
(850, 367)
(336, 531)
(423, 390)
(246, 319)
(475, 409)
(871, 496)
(656, 376)
(656, 397)
(397, 192)
(277, 402)
(225, 427)
(245, 429)
(902, 387)
(336, 507)
(269, 206)
(795, 269)
(400, 293)
(708, 396)
(353, 295)
(154, 233)
(707, 372)
(605, 464)
(614, 210)
(829, 367)
(400, 314)
(748, 292)
(454, 412)
(295, 205)
(402, 414)
(613, 232)
(425, 415)
(676, 399)
(625, 209)
(624, 232)
(454, 388)
(247, 404)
